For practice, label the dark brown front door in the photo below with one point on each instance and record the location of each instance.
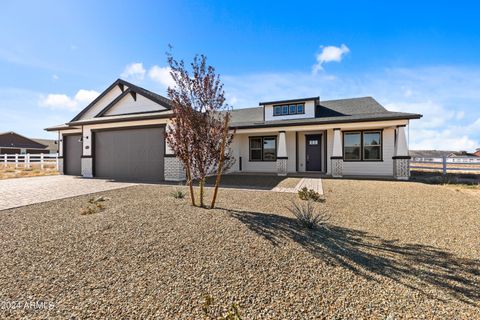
(313, 152)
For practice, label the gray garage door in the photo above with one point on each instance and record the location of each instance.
(133, 154)
(72, 153)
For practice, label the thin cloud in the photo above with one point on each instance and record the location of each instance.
(161, 75)
(64, 102)
(134, 71)
(329, 54)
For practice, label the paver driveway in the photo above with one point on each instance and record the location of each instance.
(24, 191)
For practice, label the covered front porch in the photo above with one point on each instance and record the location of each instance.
(369, 149)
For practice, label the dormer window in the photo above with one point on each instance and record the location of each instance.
(288, 109)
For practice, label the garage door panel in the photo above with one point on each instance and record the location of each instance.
(133, 154)
(72, 155)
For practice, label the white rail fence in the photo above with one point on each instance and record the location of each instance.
(29, 159)
(454, 165)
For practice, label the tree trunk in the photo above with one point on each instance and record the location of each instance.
(201, 182)
(220, 163)
(190, 185)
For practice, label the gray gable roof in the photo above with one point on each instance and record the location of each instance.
(131, 88)
(250, 115)
(15, 140)
(52, 145)
(353, 106)
(329, 111)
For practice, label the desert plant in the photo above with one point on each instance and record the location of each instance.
(310, 194)
(94, 205)
(211, 312)
(178, 194)
(309, 214)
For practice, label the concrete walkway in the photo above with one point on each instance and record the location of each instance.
(309, 183)
(24, 191)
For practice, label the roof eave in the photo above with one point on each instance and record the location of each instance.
(289, 101)
(287, 124)
(115, 119)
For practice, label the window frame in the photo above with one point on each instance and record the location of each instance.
(362, 152)
(263, 144)
(287, 105)
(376, 146)
(361, 145)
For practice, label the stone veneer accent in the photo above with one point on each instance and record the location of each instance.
(337, 168)
(87, 167)
(282, 167)
(401, 169)
(173, 169)
(60, 165)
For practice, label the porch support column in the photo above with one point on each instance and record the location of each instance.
(172, 167)
(87, 160)
(401, 159)
(282, 158)
(337, 158)
(60, 153)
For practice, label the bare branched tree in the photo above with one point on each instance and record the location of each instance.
(199, 131)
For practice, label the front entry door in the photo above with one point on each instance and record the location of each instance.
(314, 150)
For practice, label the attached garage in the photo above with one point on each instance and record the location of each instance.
(72, 154)
(135, 154)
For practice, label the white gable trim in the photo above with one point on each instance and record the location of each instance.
(127, 104)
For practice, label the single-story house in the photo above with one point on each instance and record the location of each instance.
(14, 143)
(438, 155)
(121, 135)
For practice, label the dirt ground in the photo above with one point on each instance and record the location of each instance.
(390, 250)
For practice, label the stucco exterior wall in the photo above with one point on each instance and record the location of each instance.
(102, 103)
(241, 148)
(128, 105)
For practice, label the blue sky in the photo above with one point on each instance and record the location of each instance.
(56, 56)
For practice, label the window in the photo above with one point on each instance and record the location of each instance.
(256, 149)
(293, 109)
(300, 108)
(263, 148)
(372, 147)
(352, 146)
(362, 146)
(285, 110)
(277, 111)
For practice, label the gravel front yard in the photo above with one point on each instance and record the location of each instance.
(391, 249)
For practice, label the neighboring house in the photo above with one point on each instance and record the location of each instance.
(477, 152)
(14, 143)
(120, 135)
(451, 156)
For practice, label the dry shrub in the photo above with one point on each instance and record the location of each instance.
(309, 214)
(213, 312)
(310, 194)
(94, 205)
